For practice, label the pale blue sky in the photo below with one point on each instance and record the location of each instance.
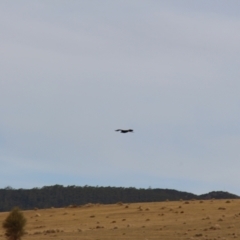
(71, 72)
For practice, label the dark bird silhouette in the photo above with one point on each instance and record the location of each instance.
(124, 131)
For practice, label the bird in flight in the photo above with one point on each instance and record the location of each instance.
(124, 131)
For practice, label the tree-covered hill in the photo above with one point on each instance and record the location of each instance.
(60, 196)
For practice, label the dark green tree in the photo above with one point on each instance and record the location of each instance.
(14, 224)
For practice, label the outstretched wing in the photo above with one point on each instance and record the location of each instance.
(124, 131)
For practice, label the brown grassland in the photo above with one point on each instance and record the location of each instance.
(195, 219)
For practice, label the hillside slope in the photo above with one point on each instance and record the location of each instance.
(186, 220)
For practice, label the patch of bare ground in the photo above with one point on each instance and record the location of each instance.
(168, 220)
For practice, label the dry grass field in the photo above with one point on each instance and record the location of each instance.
(195, 219)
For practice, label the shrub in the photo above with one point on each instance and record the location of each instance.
(14, 225)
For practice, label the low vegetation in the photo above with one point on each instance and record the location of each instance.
(14, 225)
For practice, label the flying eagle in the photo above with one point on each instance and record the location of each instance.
(124, 131)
